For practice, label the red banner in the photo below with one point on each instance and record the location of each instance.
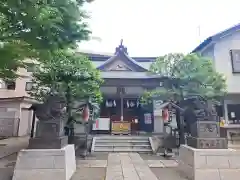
(85, 114)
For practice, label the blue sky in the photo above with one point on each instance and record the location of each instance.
(157, 27)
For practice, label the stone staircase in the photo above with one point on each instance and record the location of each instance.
(112, 143)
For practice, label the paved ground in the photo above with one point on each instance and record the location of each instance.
(12, 145)
(105, 166)
(89, 174)
(7, 167)
(167, 173)
(126, 166)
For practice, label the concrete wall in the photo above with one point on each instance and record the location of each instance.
(26, 119)
(19, 91)
(230, 99)
(8, 124)
(17, 110)
(209, 52)
(223, 62)
(220, 53)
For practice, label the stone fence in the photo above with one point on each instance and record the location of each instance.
(214, 164)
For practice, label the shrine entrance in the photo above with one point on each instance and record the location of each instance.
(124, 116)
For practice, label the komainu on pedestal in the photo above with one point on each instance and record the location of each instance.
(48, 155)
(50, 127)
(206, 154)
(203, 126)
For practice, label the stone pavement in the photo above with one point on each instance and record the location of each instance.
(114, 166)
(128, 166)
(12, 145)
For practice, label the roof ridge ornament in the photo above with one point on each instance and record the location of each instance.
(121, 48)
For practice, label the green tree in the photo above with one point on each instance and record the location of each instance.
(39, 26)
(71, 76)
(186, 75)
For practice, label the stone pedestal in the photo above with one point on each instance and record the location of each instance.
(207, 143)
(45, 164)
(214, 164)
(206, 135)
(49, 135)
(48, 143)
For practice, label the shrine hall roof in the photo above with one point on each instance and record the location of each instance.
(102, 60)
(127, 75)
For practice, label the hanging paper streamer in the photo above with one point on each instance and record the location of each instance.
(110, 103)
(132, 104)
(147, 118)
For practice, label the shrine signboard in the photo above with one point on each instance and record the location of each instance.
(121, 127)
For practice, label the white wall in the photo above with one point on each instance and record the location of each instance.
(230, 99)
(209, 52)
(223, 62)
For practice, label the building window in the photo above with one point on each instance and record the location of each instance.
(31, 67)
(235, 59)
(29, 86)
(11, 85)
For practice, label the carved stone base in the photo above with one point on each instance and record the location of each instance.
(207, 143)
(48, 143)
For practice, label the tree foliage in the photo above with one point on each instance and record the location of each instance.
(33, 28)
(70, 75)
(187, 75)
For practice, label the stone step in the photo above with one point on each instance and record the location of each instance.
(120, 141)
(121, 150)
(122, 145)
(123, 137)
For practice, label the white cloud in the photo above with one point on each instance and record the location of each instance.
(156, 27)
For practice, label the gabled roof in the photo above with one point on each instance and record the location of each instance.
(122, 55)
(216, 37)
(104, 57)
(166, 104)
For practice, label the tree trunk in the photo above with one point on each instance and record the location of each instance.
(70, 123)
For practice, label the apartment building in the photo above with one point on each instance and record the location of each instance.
(224, 49)
(15, 117)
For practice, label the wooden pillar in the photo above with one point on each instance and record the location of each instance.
(121, 107)
(120, 91)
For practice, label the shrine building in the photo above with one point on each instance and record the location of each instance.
(125, 80)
